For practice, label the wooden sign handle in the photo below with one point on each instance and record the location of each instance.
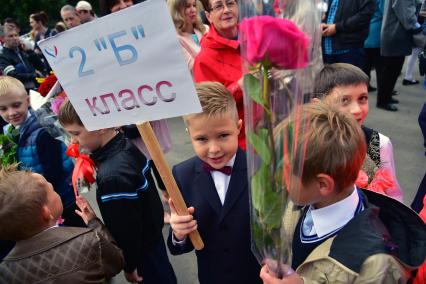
(157, 155)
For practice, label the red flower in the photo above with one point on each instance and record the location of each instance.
(382, 182)
(278, 41)
(362, 179)
(84, 169)
(47, 85)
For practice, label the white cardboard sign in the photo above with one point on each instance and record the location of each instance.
(124, 68)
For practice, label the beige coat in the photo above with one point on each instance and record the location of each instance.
(365, 246)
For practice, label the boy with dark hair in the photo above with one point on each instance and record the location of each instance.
(341, 233)
(345, 86)
(127, 198)
(214, 183)
(44, 252)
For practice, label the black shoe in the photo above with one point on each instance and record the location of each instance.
(406, 82)
(393, 101)
(389, 107)
(371, 88)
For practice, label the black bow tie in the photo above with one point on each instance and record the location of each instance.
(227, 170)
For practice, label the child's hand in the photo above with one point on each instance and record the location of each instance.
(182, 225)
(86, 212)
(133, 277)
(269, 277)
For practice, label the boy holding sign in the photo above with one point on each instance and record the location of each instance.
(215, 184)
(127, 198)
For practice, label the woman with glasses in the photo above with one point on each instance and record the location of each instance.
(219, 59)
(190, 29)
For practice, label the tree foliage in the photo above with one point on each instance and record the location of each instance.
(22, 9)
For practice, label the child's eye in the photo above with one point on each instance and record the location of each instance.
(363, 99)
(2, 109)
(201, 139)
(16, 105)
(224, 135)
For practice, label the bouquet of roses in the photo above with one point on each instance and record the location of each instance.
(277, 54)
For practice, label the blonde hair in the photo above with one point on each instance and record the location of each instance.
(22, 198)
(215, 99)
(176, 8)
(68, 115)
(335, 144)
(7, 83)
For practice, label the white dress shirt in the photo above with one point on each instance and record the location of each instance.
(326, 220)
(221, 180)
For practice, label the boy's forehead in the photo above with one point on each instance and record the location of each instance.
(14, 93)
(349, 89)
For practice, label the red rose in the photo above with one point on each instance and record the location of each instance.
(47, 85)
(362, 179)
(278, 41)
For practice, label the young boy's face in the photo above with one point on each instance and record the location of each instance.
(352, 99)
(54, 202)
(215, 139)
(87, 140)
(14, 106)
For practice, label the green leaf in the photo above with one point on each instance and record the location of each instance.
(260, 144)
(253, 89)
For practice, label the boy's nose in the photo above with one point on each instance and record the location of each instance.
(74, 140)
(214, 147)
(355, 108)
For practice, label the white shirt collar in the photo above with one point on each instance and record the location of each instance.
(221, 180)
(231, 161)
(334, 216)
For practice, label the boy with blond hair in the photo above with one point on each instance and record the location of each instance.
(341, 233)
(37, 150)
(127, 198)
(214, 184)
(44, 252)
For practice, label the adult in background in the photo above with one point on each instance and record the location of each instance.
(345, 29)
(18, 61)
(85, 11)
(372, 57)
(190, 29)
(38, 22)
(396, 41)
(219, 58)
(70, 16)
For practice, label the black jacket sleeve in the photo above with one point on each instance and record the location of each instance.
(360, 19)
(114, 204)
(187, 246)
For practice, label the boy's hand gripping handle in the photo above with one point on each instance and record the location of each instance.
(157, 155)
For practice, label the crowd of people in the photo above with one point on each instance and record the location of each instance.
(342, 229)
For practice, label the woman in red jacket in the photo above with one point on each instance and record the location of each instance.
(219, 59)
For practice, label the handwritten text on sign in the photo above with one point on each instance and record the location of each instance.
(123, 68)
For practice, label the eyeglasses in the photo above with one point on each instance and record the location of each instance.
(219, 6)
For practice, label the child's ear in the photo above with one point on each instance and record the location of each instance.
(46, 214)
(326, 184)
(240, 124)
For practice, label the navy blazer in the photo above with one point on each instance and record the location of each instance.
(225, 230)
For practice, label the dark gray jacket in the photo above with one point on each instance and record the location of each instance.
(399, 25)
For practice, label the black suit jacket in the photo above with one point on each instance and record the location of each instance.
(225, 230)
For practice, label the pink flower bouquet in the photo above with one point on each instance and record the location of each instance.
(276, 54)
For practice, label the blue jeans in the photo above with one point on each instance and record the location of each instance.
(355, 57)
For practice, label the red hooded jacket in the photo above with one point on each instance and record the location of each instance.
(219, 60)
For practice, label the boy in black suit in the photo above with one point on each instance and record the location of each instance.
(214, 184)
